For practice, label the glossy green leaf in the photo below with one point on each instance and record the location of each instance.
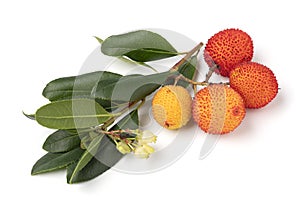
(71, 114)
(61, 141)
(93, 169)
(55, 161)
(107, 154)
(141, 46)
(130, 121)
(86, 156)
(89, 153)
(75, 87)
(187, 69)
(131, 88)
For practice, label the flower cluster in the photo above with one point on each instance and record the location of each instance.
(136, 141)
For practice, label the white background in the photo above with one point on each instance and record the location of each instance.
(40, 41)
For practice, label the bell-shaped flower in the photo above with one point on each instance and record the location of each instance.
(123, 147)
(143, 151)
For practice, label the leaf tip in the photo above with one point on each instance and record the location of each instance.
(98, 39)
(33, 171)
(29, 116)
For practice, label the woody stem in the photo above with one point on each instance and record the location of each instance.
(210, 72)
(186, 57)
(203, 83)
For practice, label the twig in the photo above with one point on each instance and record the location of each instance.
(186, 57)
(210, 72)
(203, 83)
(195, 83)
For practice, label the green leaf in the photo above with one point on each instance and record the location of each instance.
(187, 69)
(131, 88)
(107, 154)
(141, 46)
(130, 121)
(93, 169)
(75, 87)
(55, 161)
(29, 116)
(71, 114)
(127, 60)
(87, 156)
(61, 141)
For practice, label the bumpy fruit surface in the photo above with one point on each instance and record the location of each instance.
(255, 82)
(228, 48)
(172, 106)
(218, 109)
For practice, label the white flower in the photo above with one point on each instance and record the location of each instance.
(143, 151)
(123, 147)
(147, 137)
